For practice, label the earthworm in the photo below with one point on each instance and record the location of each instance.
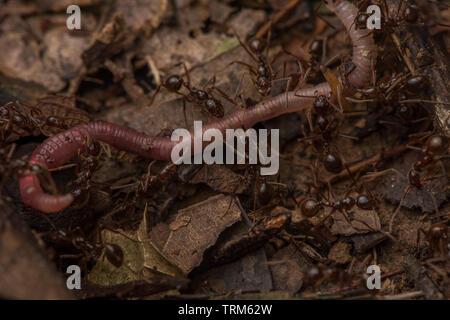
(60, 148)
(364, 49)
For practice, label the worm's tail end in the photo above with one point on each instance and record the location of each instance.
(33, 196)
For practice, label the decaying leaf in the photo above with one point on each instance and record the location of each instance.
(396, 185)
(338, 90)
(184, 246)
(221, 179)
(21, 59)
(240, 239)
(142, 14)
(363, 242)
(340, 253)
(63, 52)
(286, 267)
(140, 258)
(250, 273)
(361, 222)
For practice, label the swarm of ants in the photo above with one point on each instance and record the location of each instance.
(343, 104)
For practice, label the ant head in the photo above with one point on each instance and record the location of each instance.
(257, 45)
(264, 85)
(174, 83)
(53, 121)
(321, 104)
(201, 94)
(214, 107)
(316, 47)
(361, 20)
(348, 203)
(411, 14)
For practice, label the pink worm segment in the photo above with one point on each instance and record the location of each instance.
(59, 149)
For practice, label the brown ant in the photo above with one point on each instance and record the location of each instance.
(148, 185)
(14, 121)
(434, 150)
(263, 74)
(409, 16)
(325, 121)
(310, 207)
(90, 155)
(198, 97)
(437, 237)
(91, 250)
(318, 274)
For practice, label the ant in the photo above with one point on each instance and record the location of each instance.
(310, 207)
(91, 250)
(19, 167)
(263, 74)
(438, 238)
(410, 15)
(198, 97)
(396, 90)
(90, 155)
(435, 148)
(14, 121)
(325, 120)
(148, 184)
(320, 273)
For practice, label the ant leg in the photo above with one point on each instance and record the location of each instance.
(303, 81)
(154, 95)
(420, 230)
(374, 175)
(397, 210)
(184, 113)
(186, 71)
(250, 53)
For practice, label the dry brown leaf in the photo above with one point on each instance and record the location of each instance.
(184, 247)
(361, 221)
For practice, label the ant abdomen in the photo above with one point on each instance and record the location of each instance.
(315, 48)
(214, 107)
(173, 83)
(415, 83)
(411, 14)
(414, 178)
(364, 202)
(114, 254)
(437, 144)
(333, 163)
(257, 45)
(361, 20)
(265, 193)
(310, 207)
